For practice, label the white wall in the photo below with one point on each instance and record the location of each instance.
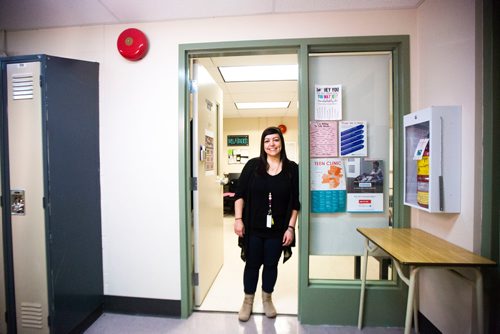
(446, 76)
(139, 119)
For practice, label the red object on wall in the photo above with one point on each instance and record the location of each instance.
(282, 128)
(132, 44)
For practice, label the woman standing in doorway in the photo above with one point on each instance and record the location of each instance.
(266, 209)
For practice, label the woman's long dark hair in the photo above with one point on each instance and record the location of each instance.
(263, 165)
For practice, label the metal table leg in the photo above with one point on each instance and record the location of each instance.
(363, 285)
(479, 300)
(367, 250)
(411, 302)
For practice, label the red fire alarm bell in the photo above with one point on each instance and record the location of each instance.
(132, 44)
(282, 128)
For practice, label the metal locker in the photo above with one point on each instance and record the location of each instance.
(51, 194)
(3, 323)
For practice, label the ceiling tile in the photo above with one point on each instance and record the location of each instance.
(155, 10)
(28, 14)
(34, 14)
(332, 5)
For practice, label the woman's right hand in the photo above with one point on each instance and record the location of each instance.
(239, 228)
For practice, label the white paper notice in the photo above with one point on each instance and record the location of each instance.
(328, 102)
(419, 151)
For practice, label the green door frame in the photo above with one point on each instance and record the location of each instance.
(490, 236)
(331, 302)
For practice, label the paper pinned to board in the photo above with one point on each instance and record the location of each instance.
(419, 151)
(328, 102)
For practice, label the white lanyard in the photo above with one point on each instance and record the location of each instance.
(269, 219)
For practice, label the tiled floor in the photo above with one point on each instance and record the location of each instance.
(218, 323)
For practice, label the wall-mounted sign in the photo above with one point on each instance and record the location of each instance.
(237, 140)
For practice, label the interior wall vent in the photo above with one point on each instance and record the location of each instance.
(22, 86)
(31, 315)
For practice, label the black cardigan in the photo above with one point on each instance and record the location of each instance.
(246, 179)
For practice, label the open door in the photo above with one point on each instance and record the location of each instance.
(208, 190)
(325, 299)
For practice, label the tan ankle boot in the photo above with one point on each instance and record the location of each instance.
(246, 308)
(267, 302)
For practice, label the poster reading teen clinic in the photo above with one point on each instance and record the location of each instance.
(328, 187)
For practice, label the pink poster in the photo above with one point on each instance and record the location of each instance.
(324, 139)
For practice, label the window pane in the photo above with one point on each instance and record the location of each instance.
(323, 267)
(351, 160)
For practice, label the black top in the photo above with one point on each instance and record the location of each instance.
(254, 189)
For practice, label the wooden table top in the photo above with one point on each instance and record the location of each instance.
(415, 247)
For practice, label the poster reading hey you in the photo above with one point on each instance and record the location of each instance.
(328, 102)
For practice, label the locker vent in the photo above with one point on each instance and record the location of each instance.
(22, 86)
(31, 315)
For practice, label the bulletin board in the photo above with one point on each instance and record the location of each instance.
(353, 128)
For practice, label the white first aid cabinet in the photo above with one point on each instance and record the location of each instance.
(439, 127)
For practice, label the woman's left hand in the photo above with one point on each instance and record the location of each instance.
(288, 237)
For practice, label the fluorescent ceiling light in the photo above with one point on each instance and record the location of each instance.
(259, 73)
(262, 105)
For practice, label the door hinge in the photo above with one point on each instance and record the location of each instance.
(196, 279)
(1, 201)
(193, 86)
(194, 183)
(49, 321)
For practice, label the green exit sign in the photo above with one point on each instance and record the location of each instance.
(240, 140)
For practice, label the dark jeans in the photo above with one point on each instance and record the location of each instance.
(262, 251)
